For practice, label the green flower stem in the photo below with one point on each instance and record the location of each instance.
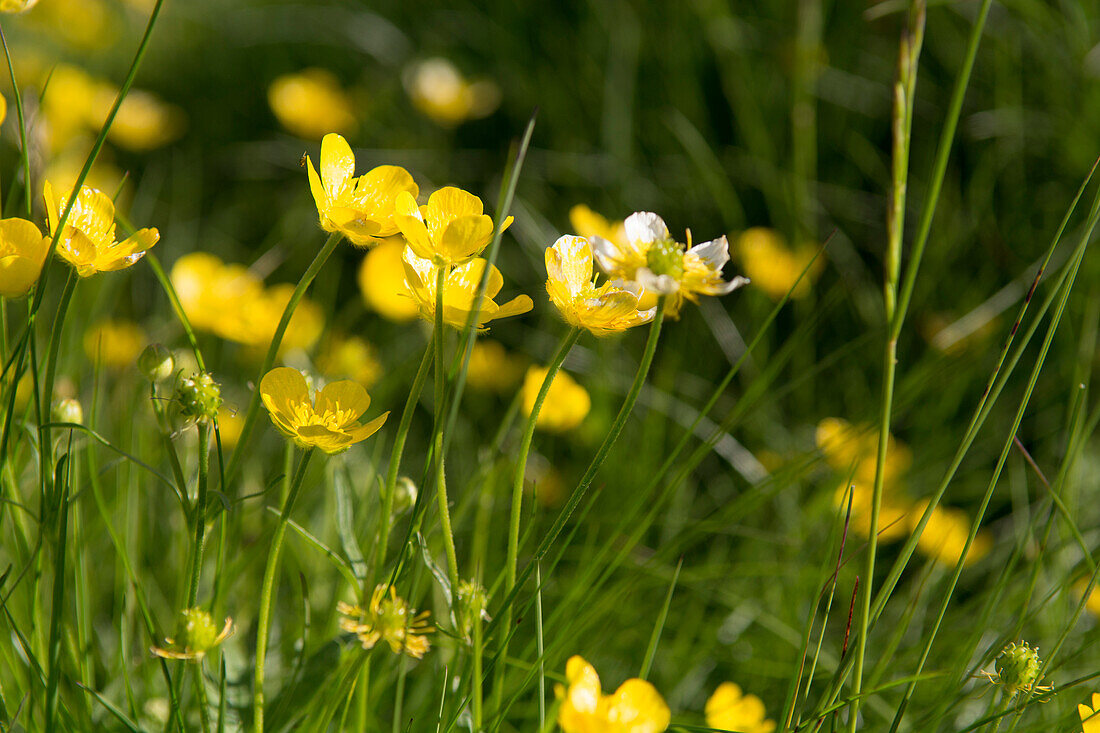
(267, 591)
(61, 507)
(521, 461)
(589, 474)
(254, 402)
(437, 442)
(564, 348)
(199, 514)
(385, 520)
(200, 693)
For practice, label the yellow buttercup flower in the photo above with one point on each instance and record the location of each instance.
(659, 264)
(451, 228)
(68, 104)
(945, 535)
(437, 89)
(566, 404)
(846, 446)
(388, 617)
(893, 511)
(350, 357)
(263, 316)
(459, 292)
(1092, 603)
(636, 707)
(116, 344)
(3, 108)
(196, 636)
(359, 208)
(588, 223)
(492, 368)
(773, 266)
(23, 250)
(331, 422)
(382, 281)
(213, 294)
(728, 709)
(88, 240)
(144, 122)
(602, 309)
(1090, 716)
(311, 103)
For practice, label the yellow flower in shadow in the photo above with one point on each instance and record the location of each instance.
(437, 89)
(88, 240)
(773, 266)
(196, 636)
(311, 103)
(459, 292)
(602, 309)
(144, 121)
(636, 707)
(849, 448)
(451, 228)
(23, 250)
(1090, 716)
(588, 223)
(382, 281)
(351, 357)
(945, 535)
(492, 368)
(359, 208)
(893, 511)
(730, 710)
(566, 404)
(331, 422)
(658, 263)
(115, 344)
(263, 316)
(388, 617)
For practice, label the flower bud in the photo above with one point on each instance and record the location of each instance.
(404, 495)
(67, 410)
(197, 631)
(199, 397)
(156, 363)
(1018, 667)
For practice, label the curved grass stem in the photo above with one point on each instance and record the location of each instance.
(267, 591)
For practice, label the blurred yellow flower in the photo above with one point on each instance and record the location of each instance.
(3, 108)
(351, 357)
(846, 446)
(231, 302)
(1090, 716)
(23, 249)
(601, 310)
(451, 228)
(382, 281)
(88, 240)
(230, 425)
(588, 223)
(1092, 605)
(330, 422)
(311, 103)
(196, 636)
(636, 707)
(115, 344)
(659, 264)
(728, 709)
(359, 208)
(388, 617)
(144, 122)
(68, 104)
(492, 368)
(459, 292)
(64, 168)
(437, 89)
(566, 404)
(16, 6)
(773, 266)
(263, 316)
(945, 535)
(893, 511)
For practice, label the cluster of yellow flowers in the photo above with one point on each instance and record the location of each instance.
(851, 450)
(637, 707)
(230, 301)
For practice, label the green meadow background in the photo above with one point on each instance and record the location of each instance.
(719, 116)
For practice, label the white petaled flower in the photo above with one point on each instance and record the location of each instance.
(659, 264)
